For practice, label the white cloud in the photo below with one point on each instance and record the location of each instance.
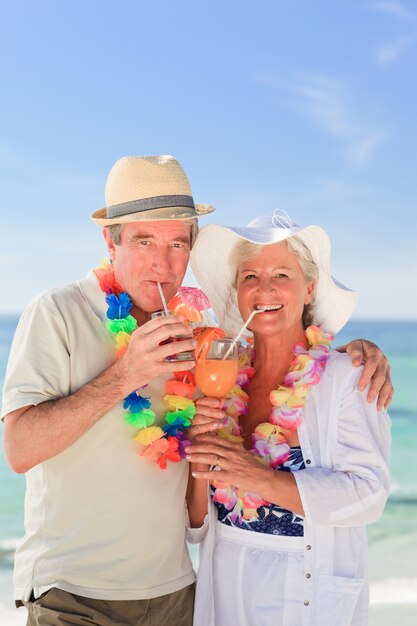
(392, 8)
(391, 51)
(361, 151)
(326, 102)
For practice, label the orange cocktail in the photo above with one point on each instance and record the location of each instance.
(215, 377)
(216, 369)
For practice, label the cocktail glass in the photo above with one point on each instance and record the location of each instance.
(216, 373)
(186, 355)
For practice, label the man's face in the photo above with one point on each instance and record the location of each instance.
(148, 253)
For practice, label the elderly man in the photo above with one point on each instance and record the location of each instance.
(104, 540)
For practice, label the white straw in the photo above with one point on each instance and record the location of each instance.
(236, 339)
(164, 302)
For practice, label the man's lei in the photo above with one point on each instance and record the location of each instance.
(166, 443)
(269, 444)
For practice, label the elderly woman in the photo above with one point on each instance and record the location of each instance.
(300, 456)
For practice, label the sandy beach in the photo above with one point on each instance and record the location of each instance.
(393, 576)
(393, 589)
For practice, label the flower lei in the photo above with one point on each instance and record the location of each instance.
(161, 444)
(269, 444)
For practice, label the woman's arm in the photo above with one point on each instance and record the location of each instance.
(208, 419)
(355, 490)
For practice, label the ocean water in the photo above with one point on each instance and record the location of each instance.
(392, 540)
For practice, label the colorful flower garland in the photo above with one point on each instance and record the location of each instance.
(269, 444)
(166, 443)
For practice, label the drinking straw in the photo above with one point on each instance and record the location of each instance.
(164, 302)
(236, 339)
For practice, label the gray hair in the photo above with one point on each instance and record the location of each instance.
(115, 232)
(244, 250)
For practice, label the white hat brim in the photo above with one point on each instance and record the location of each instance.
(334, 303)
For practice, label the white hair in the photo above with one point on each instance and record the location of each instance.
(244, 250)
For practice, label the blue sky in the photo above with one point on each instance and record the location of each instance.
(304, 106)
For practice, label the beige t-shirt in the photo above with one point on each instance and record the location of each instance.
(101, 521)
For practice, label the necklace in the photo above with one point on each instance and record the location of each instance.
(269, 444)
(161, 444)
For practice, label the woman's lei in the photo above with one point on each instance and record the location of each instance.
(168, 442)
(269, 444)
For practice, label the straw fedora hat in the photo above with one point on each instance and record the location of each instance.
(148, 188)
(333, 302)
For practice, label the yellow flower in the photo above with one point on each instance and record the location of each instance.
(250, 514)
(265, 429)
(224, 434)
(122, 340)
(244, 359)
(150, 434)
(280, 396)
(297, 398)
(177, 402)
(239, 392)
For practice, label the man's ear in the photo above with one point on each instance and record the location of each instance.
(109, 243)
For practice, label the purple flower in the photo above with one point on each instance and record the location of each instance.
(183, 442)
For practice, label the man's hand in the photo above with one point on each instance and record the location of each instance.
(376, 370)
(150, 347)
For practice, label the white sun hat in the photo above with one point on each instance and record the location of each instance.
(333, 302)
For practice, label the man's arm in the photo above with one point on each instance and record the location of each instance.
(34, 434)
(376, 371)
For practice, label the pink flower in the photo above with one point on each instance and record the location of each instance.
(261, 447)
(279, 454)
(286, 418)
(244, 376)
(226, 496)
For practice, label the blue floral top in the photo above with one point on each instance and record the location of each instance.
(272, 519)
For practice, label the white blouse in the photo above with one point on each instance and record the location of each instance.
(345, 443)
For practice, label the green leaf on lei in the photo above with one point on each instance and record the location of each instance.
(143, 419)
(186, 415)
(126, 325)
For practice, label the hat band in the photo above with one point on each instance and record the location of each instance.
(147, 204)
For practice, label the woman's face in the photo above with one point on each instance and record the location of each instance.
(275, 279)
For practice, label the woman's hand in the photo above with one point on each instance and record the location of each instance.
(237, 467)
(234, 464)
(208, 419)
(376, 370)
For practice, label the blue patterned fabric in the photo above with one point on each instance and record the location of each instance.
(273, 519)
